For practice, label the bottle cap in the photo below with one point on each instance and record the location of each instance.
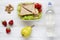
(49, 3)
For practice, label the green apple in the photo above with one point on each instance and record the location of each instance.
(25, 18)
(19, 8)
(28, 18)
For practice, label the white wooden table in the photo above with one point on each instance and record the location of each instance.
(39, 31)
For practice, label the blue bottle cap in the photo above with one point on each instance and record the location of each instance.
(49, 3)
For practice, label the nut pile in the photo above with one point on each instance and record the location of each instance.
(9, 8)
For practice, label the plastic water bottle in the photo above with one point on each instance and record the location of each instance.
(50, 20)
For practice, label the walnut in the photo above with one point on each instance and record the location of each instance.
(9, 8)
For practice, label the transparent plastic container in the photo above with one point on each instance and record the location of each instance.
(31, 19)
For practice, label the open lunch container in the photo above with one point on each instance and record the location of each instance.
(29, 11)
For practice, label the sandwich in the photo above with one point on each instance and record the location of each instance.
(28, 11)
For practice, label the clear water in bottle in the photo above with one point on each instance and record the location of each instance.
(50, 19)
